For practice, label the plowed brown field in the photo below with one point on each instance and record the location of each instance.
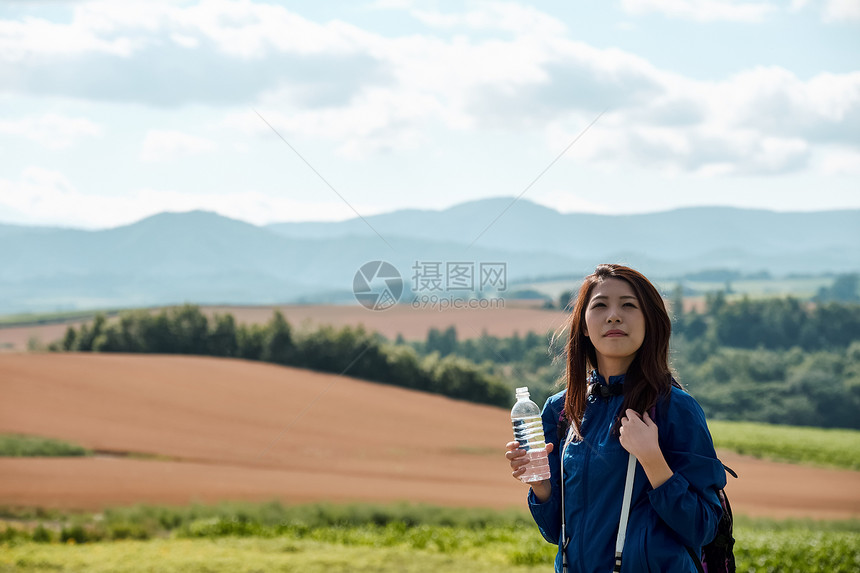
(413, 324)
(215, 429)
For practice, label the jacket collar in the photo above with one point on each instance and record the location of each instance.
(595, 377)
(599, 388)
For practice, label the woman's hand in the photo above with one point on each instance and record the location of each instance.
(519, 459)
(639, 436)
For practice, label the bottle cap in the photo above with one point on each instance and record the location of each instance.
(523, 392)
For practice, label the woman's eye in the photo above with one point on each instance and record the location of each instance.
(597, 305)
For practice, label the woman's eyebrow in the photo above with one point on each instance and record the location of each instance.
(605, 296)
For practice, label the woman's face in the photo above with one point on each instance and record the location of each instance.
(615, 324)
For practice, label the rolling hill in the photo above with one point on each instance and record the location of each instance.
(205, 258)
(179, 429)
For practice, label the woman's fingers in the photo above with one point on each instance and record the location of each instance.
(518, 459)
(519, 463)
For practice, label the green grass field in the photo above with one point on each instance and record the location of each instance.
(35, 318)
(798, 287)
(246, 538)
(795, 444)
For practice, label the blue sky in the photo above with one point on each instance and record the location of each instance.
(113, 111)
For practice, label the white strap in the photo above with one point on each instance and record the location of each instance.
(625, 511)
(625, 505)
(564, 540)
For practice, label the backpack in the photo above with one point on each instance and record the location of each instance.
(718, 555)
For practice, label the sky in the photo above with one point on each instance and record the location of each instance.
(320, 111)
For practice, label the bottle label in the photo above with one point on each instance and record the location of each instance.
(528, 432)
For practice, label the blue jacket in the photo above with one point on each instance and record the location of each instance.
(682, 512)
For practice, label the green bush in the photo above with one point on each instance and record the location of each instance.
(11, 535)
(127, 531)
(42, 534)
(18, 445)
(80, 534)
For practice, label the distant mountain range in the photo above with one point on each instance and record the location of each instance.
(205, 258)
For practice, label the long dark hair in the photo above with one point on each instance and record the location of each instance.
(648, 376)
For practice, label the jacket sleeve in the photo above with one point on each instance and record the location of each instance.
(547, 515)
(688, 501)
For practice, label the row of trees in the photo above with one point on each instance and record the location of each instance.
(776, 360)
(746, 360)
(349, 350)
(531, 360)
(772, 323)
(819, 388)
(844, 288)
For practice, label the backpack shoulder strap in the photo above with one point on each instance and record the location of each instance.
(696, 559)
(564, 540)
(625, 511)
(723, 539)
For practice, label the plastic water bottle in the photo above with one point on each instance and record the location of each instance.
(528, 432)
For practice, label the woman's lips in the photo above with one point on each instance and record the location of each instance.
(614, 333)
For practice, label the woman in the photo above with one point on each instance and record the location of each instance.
(621, 398)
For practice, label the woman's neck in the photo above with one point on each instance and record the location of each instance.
(613, 367)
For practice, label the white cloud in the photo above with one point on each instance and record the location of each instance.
(47, 197)
(40, 195)
(168, 54)
(832, 11)
(167, 145)
(378, 122)
(237, 28)
(51, 130)
(840, 161)
(700, 150)
(522, 20)
(185, 41)
(824, 108)
(22, 40)
(841, 11)
(366, 94)
(569, 202)
(763, 121)
(389, 4)
(703, 10)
